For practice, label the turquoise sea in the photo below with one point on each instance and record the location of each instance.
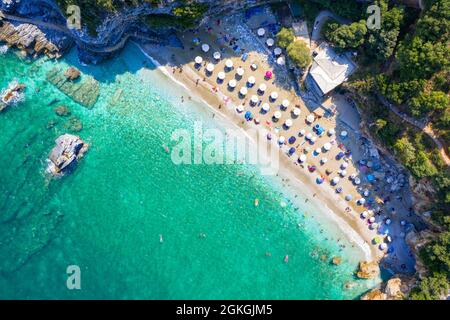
(107, 217)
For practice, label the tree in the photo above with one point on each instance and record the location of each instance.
(299, 53)
(429, 102)
(347, 36)
(285, 37)
(431, 288)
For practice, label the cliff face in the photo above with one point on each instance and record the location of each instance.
(114, 29)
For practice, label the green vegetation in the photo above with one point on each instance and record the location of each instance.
(299, 54)
(345, 36)
(285, 37)
(351, 10)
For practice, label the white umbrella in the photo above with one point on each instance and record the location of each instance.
(210, 67)
(344, 134)
(302, 132)
(364, 214)
(317, 150)
(313, 139)
(261, 32)
(361, 201)
(243, 91)
(366, 193)
(277, 114)
(383, 246)
(277, 51)
(216, 55)
(240, 71)
(327, 146)
(302, 158)
(251, 80)
(285, 103)
(232, 83)
(348, 197)
(270, 42)
(335, 180)
(388, 221)
(274, 95)
(229, 63)
(344, 165)
(240, 108)
(221, 75)
(266, 107)
(262, 87)
(288, 123)
(205, 47)
(331, 132)
(357, 181)
(198, 60)
(309, 136)
(323, 160)
(310, 118)
(296, 111)
(281, 61)
(254, 99)
(281, 140)
(372, 219)
(253, 66)
(343, 173)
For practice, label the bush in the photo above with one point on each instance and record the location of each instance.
(431, 288)
(299, 53)
(285, 37)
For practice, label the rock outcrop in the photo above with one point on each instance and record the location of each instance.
(72, 73)
(393, 289)
(374, 295)
(368, 270)
(65, 155)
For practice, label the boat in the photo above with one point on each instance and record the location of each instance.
(12, 95)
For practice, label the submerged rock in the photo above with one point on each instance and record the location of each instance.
(62, 111)
(368, 270)
(65, 155)
(74, 124)
(336, 261)
(72, 73)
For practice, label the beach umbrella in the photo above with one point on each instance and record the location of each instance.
(229, 63)
(270, 42)
(285, 103)
(281, 61)
(254, 99)
(357, 181)
(310, 118)
(372, 219)
(210, 67)
(296, 111)
(232, 83)
(251, 80)
(388, 221)
(198, 60)
(302, 132)
(277, 51)
(327, 146)
(361, 201)
(248, 115)
(338, 189)
(335, 180)
(309, 136)
(205, 47)
(268, 74)
(221, 75)
(216, 55)
(348, 197)
(317, 151)
(291, 150)
(388, 239)
(344, 134)
(319, 180)
(240, 108)
(364, 214)
(274, 95)
(344, 165)
(366, 193)
(383, 246)
(302, 158)
(261, 32)
(281, 139)
(343, 173)
(269, 136)
(277, 114)
(352, 176)
(257, 120)
(262, 87)
(288, 123)
(240, 71)
(253, 66)
(243, 91)
(323, 160)
(331, 132)
(266, 107)
(313, 139)
(292, 140)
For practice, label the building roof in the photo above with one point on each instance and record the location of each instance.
(330, 69)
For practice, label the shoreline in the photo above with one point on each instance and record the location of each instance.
(349, 229)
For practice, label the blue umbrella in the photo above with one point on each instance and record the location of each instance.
(248, 115)
(292, 139)
(292, 150)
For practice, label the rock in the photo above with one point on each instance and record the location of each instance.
(393, 289)
(74, 124)
(368, 270)
(72, 73)
(62, 111)
(374, 295)
(336, 261)
(65, 155)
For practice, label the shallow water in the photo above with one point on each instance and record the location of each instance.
(107, 217)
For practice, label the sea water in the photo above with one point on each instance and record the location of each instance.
(137, 225)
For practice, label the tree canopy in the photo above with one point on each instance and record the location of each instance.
(299, 53)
